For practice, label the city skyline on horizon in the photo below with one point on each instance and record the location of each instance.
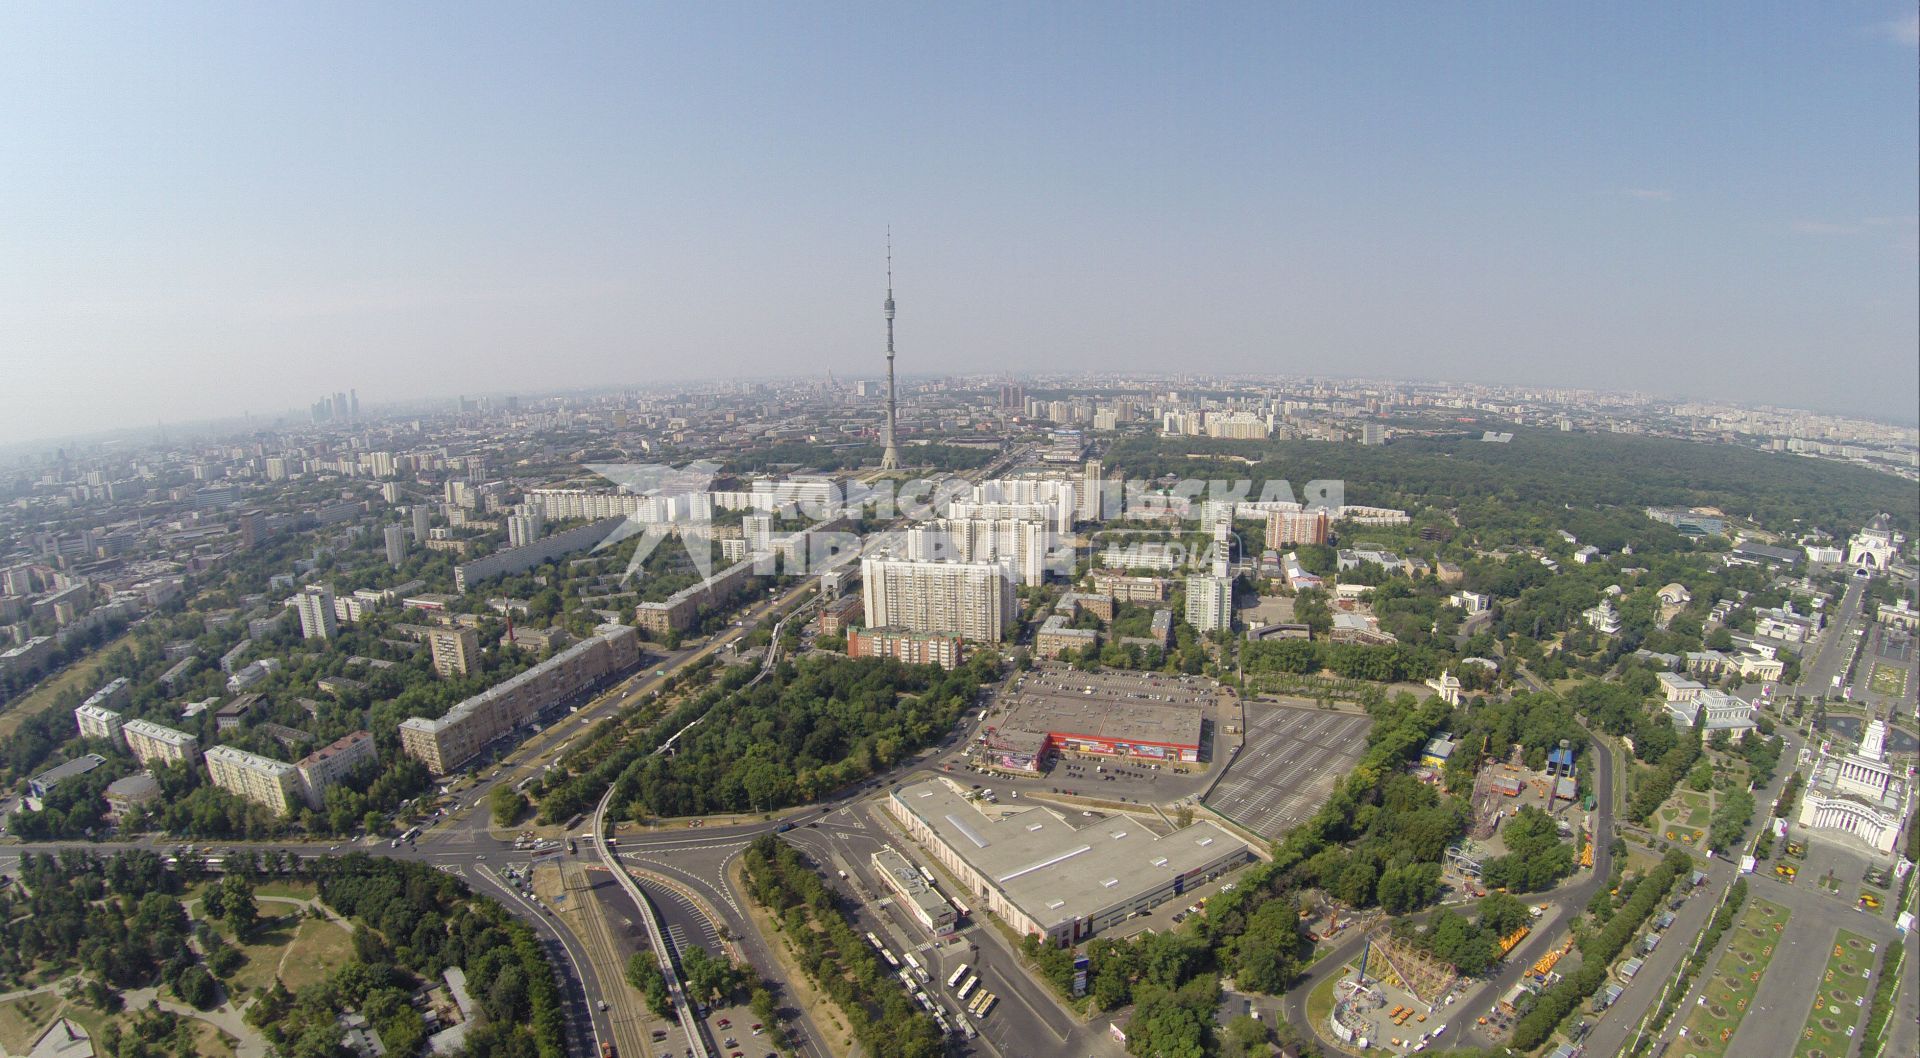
(293, 417)
(1714, 204)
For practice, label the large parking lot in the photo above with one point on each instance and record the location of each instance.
(1292, 759)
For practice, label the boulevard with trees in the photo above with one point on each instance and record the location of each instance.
(882, 1017)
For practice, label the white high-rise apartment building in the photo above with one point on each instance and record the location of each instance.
(1023, 542)
(526, 526)
(758, 530)
(1210, 602)
(315, 606)
(396, 541)
(974, 600)
(1239, 425)
(1090, 491)
(1058, 511)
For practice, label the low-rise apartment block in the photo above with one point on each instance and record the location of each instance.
(100, 722)
(152, 743)
(249, 776)
(910, 648)
(328, 765)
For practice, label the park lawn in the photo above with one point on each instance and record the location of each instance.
(1840, 1002)
(288, 945)
(1890, 680)
(210, 1042)
(79, 676)
(1736, 977)
(319, 948)
(286, 890)
(1320, 1000)
(1685, 814)
(22, 1020)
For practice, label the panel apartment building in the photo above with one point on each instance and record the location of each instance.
(449, 741)
(152, 743)
(520, 559)
(676, 613)
(908, 648)
(974, 600)
(262, 780)
(335, 761)
(455, 650)
(96, 721)
(1293, 528)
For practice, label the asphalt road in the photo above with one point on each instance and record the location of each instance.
(1835, 646)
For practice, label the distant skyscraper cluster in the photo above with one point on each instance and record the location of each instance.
(340, 407)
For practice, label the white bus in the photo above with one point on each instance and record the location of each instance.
(966, 986)
(891, 961)
(986, 1001)
(875, 941)
(954, 977)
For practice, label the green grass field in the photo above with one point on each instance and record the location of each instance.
(1841, 1000)
(1685, 815)
(300, 951)
(1710, 1027)
(23, 1019)
(80, 676)
(1890, 680)
(284, 943)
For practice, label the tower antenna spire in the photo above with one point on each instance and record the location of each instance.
(890, 456)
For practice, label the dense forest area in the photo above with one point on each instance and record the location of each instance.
(121, 923)
(1395, 663)
(1511, 483)
(425, 921)
(817, 725)
(882, 1017)
(617, 746)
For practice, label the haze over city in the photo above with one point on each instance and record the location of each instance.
(227, 208)
(979, 530)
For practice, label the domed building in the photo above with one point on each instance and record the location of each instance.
(1872, 547)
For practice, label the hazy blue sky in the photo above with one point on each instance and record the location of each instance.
(209, 209)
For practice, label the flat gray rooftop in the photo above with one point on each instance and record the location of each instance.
(1054, 871)
(1128, 708)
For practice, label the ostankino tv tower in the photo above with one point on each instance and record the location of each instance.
(890, 459)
